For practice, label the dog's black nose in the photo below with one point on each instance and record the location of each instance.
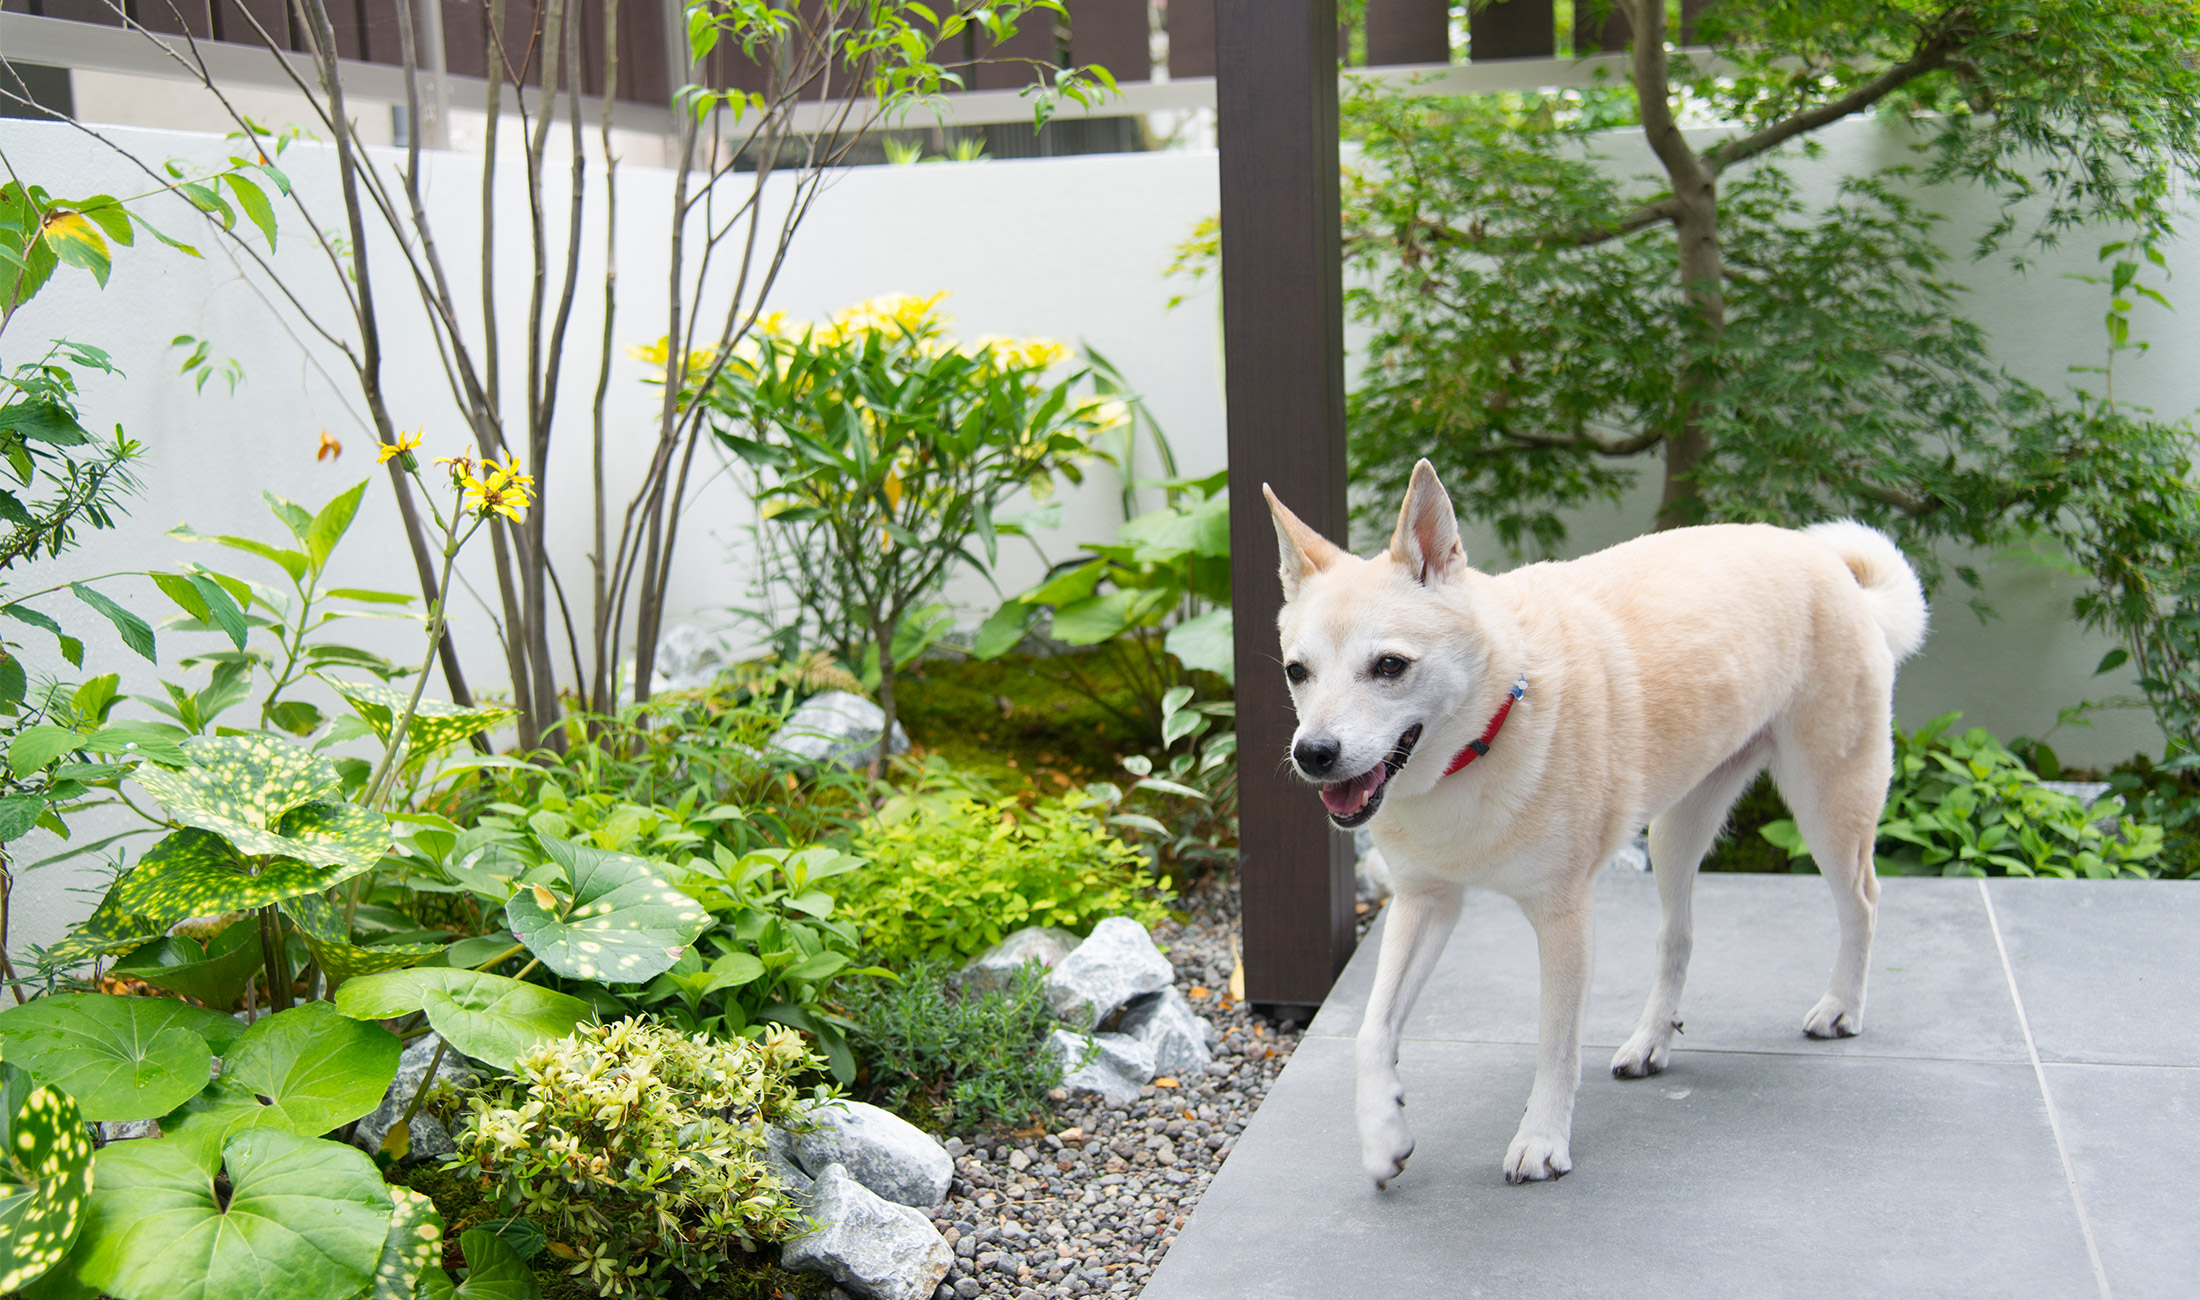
(1315, 757)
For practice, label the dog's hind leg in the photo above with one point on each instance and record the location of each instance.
(1415, 927)
(1679, 837)
(1836, 802)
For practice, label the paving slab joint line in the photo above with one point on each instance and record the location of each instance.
(2054, 1122)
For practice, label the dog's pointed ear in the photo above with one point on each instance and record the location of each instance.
(1302, 551)
(1427, 538)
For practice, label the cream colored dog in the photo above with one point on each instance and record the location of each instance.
(1512, 732)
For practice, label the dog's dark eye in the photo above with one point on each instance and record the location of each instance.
(1296, 672)
(1389, 666)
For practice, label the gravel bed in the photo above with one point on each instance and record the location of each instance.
(1090, 1206)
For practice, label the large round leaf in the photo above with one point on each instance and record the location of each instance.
(305, 1220)
(269, 798)
(305, 1070)
(414, 1244)
(45, 1176)
(435, 724)
(197, 873)
(321, 925)
(120, 1058)
(493, 1272)
(214, 972)
(488, 1017)
(623, 923)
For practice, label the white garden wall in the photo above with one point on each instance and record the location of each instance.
(1068, 248)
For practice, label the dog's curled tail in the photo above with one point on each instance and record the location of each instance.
(1891, 588)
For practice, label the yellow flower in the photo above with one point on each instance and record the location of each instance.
(698, 361)
(891, 313)
(404, 444)
(328, 448)
(499, 490)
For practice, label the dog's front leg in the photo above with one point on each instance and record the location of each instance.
(1541, 1149)
(1417, 923)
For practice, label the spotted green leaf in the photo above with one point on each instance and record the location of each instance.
(493, 1272)
(269, 798)
(109, 929)
(322, 926)
(120, 1058)
(45, 1177)
(214, 972)
(435, 724)
(304, 1219)
(624, 923)
(305, 1071)
(414, 1244)
(197, 873)
(488, 1017)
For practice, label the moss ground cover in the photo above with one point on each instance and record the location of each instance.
(1018, 721)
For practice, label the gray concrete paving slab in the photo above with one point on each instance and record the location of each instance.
(1763, 947)
(2133, 1133)
(2109, 969)
(1733, 1175)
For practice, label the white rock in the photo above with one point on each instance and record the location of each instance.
(1181, 1039)
(1116, 963)
(688, 658)
(837, 727)
(779, 1158)
(879, 1149)
(996, 966)
(1120, 1067)
(429, 1138)
(867, 1244)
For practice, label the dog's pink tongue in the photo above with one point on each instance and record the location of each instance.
(1345, 798)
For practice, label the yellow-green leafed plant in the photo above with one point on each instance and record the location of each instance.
(950, 877)
(884, 450)
(636, 1148)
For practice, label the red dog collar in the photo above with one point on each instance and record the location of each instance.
(1475, 749)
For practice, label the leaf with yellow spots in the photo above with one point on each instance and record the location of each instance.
(414, 1244)
(436, 725)
(322, 927)
(45, 1177)
(267, 797)
(198, 873)
(626, 923)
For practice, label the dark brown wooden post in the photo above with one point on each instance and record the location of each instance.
(1408, 31)
(1512, 29)
(1283, 354)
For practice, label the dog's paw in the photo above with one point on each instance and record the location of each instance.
(1833, 1018)
(1537, 1157)
(1641, 1056)
(1385, 1143)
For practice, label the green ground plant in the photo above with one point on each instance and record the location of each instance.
(952, 874)
(1962, 804)
(637, 1149)
(955, 1058)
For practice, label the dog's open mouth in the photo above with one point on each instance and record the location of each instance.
(1352, 802)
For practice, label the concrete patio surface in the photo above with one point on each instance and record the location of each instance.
(2021, 1116)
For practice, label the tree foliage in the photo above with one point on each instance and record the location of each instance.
(1545, 323)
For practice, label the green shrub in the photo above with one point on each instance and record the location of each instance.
(1963, 805)
(952, 1057)
(635, 1147)
(950, 875)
